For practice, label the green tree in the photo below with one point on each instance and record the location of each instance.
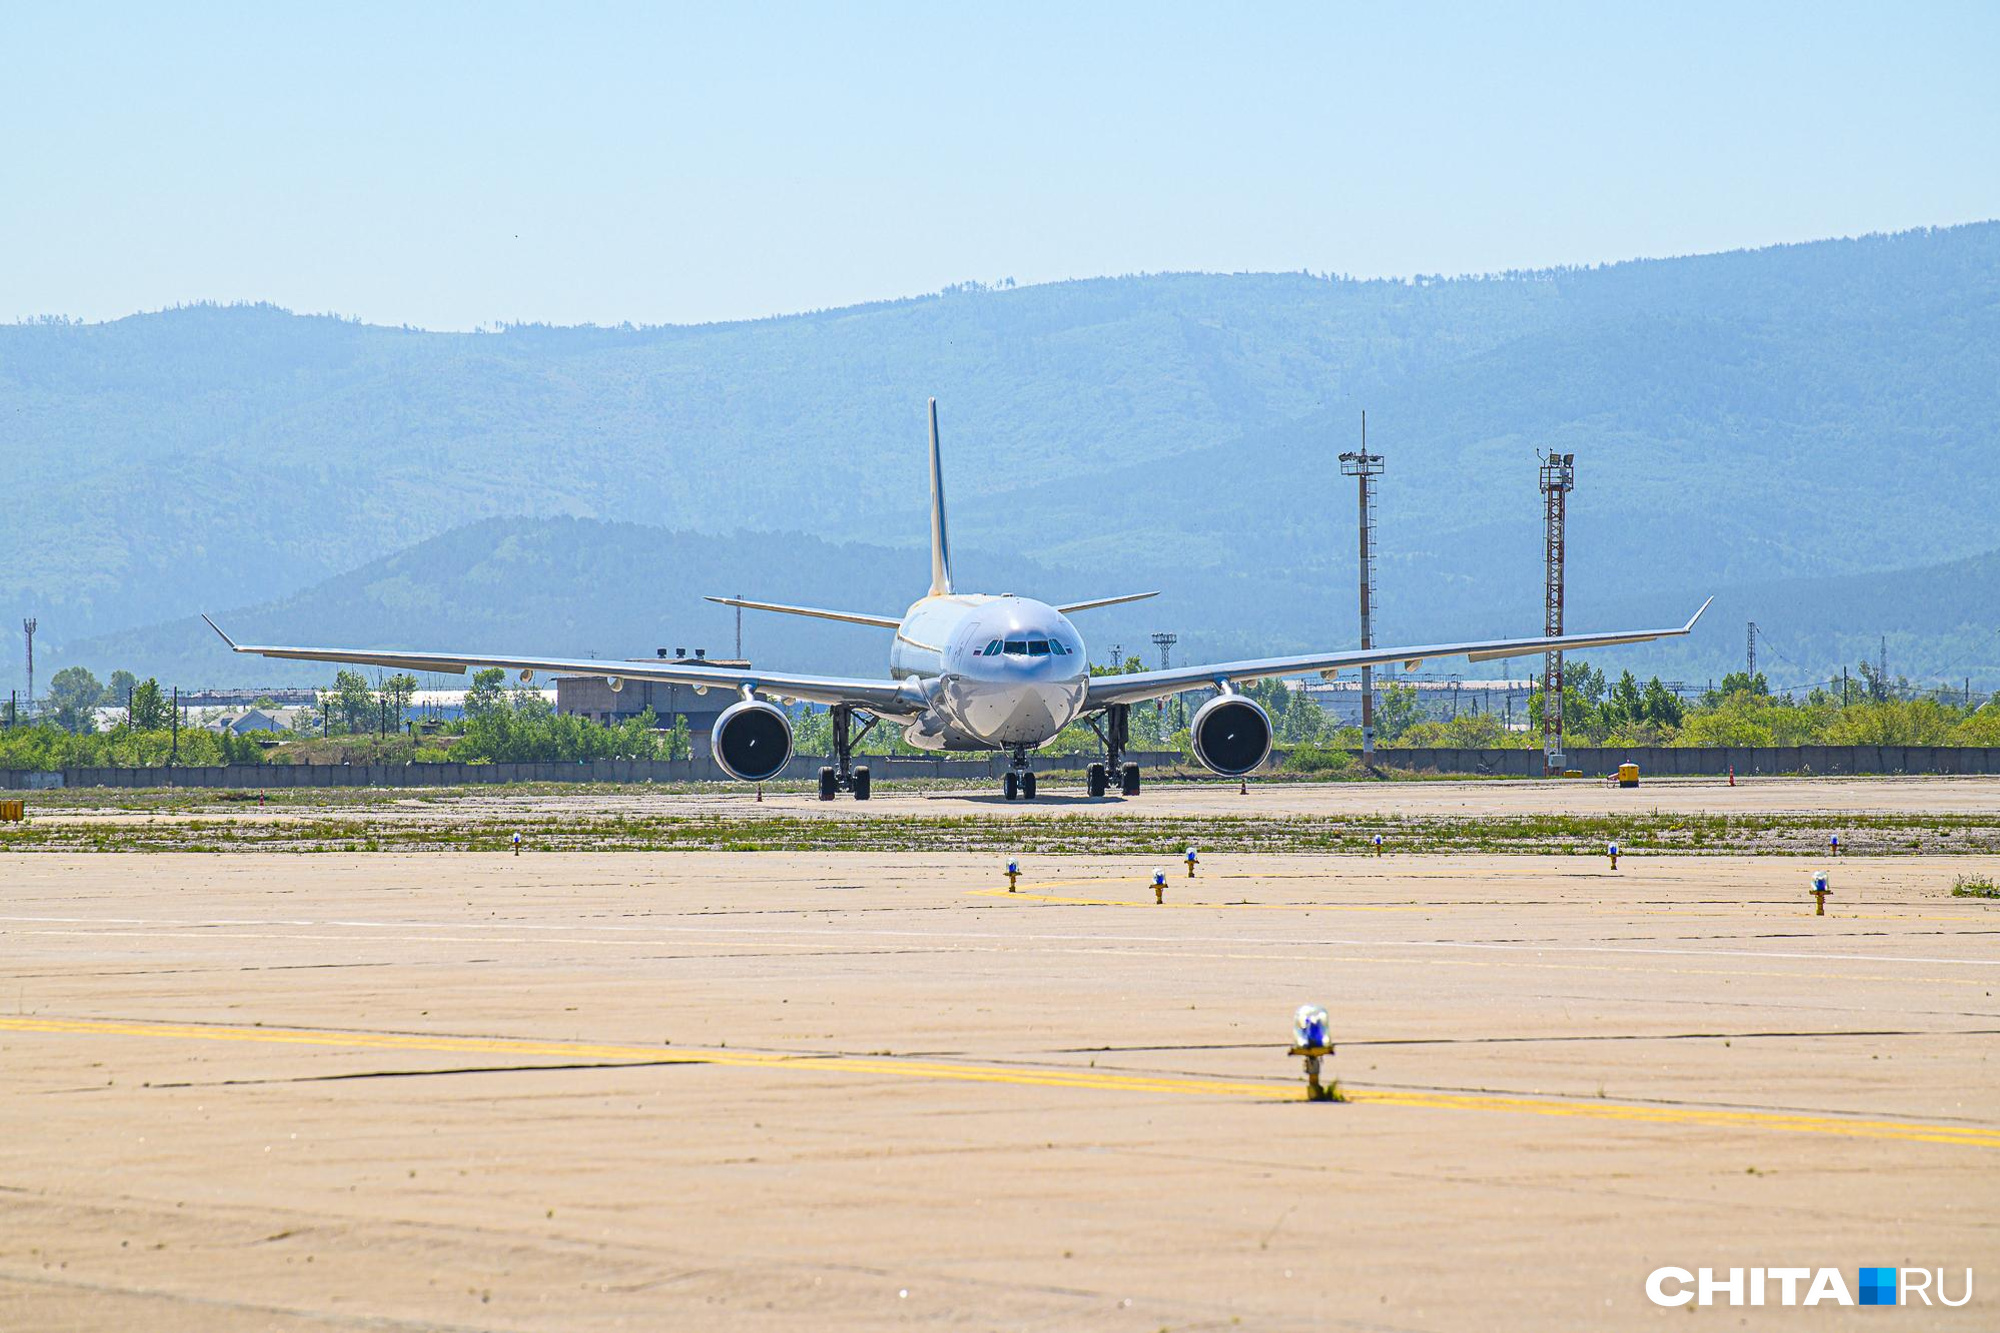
(1660, 706)
(120, 689)
(350, 704)
(149, 710)
(73, 694)
(399, 691)
(487, 693)
(1397, 711)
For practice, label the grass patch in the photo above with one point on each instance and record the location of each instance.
(1975, 886)
(485, 826)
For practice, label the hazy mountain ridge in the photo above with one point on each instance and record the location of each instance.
(581, 587)
(1802, 411)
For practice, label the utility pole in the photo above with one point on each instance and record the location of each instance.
(1165, 643)
(1364, 467)
(1750, 656)
(739, 627)
(29, 625)
(1558, 478)
(175, 757)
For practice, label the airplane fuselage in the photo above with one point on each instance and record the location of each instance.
(999, 671)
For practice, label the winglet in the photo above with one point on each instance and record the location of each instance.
(1696, 616)
(219, 634)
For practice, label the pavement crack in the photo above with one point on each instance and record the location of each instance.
(435, 1073)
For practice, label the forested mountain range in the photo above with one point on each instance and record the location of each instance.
(1768, 419)
(514, 585)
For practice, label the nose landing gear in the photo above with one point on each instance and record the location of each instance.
(843, 774)
(1020, 779)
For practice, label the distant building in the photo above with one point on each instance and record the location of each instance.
(254, 719)
(246, 696)
(591, 696)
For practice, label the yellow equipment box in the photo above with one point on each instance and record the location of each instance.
(11, 810)
(1628, 775)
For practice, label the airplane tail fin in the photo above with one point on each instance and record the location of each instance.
(940, 543)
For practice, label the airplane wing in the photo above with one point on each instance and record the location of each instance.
(1068, 607)
(894, 698)
(851, 617)
(1137, 686)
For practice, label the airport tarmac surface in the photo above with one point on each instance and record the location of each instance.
(855, 1090)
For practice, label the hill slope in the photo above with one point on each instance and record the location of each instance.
(1802, 411)
(580, 587)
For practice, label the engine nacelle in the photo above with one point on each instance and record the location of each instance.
(751, 740)
(1231, 734)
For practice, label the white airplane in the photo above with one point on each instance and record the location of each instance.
(971, 671)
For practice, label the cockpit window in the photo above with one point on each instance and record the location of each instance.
(1038, 647)
(993, 649)
(1019, 646)
(1055, 646)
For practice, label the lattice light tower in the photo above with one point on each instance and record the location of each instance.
(1750, 654)
(29, 625)
(1558, 480)
(1165, 643)
(1364, 467)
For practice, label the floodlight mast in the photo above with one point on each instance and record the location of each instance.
(1558, 479)
(1364, 467)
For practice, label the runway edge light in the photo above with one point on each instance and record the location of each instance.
(1311, 1041)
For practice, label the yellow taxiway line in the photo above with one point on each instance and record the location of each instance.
(1969, 1136)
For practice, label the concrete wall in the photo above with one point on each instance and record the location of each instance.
(801, 768)
(1661, 761)
(1653, 761)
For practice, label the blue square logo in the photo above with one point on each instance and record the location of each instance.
(1878, 1286)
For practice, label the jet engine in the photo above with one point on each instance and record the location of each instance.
(1232, 735)
(751, 740)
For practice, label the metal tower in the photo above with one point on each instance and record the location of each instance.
(29, 625)
(1558, 476)
(1365, 467)
(1750, 654)
(1165, 643)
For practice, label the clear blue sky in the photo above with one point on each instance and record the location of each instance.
(452, 165)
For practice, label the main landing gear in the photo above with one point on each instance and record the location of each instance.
(1020, 780)
(843, 775)
(1114, 729)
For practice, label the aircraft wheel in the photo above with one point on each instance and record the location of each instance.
(1027, 786)
(1010, 786)
(1129, 780)
(827, 784)
(861, 783)
(1094, 779)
